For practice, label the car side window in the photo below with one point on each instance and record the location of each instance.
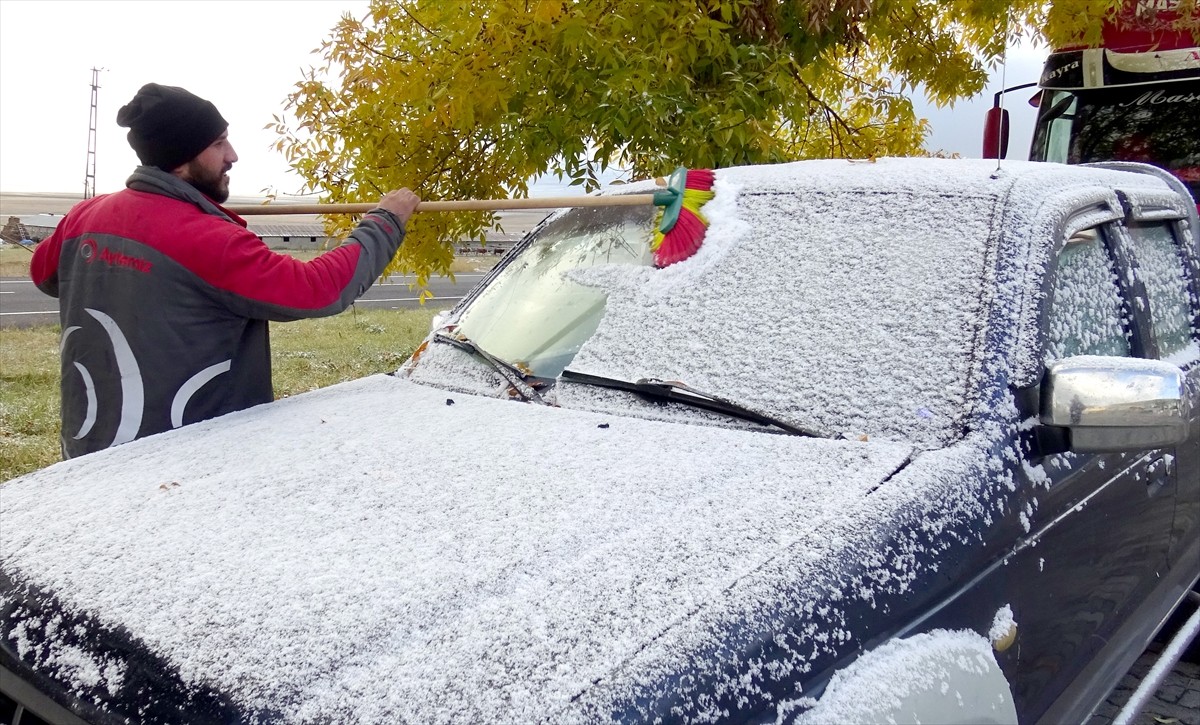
(1161, 266)
(1086, 316)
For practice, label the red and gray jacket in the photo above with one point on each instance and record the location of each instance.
(165, 298)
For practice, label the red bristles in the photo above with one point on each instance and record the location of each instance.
(683, 239)
(699, 179)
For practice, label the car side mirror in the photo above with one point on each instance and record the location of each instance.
(1111, 404)
(995, 133)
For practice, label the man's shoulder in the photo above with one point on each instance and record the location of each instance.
(172, 226)
(180, 213)
(123, 201)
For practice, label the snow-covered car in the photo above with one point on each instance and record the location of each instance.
(904, 441)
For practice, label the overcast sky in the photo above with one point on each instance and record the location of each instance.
(245, 56)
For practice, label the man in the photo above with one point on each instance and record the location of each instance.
(165, 295)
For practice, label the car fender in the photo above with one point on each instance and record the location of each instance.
(942, 676)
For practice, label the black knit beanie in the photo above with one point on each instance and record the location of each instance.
(169, 126)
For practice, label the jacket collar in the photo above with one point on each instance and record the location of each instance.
(156, 181)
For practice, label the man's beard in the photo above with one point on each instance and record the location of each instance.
(214, 185)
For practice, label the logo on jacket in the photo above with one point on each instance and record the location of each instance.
(91, 252)
(128, 372)
(132, 387)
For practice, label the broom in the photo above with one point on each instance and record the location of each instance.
(679, 228)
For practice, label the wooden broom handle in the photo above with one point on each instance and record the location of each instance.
(552, 202)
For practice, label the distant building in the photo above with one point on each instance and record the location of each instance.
(293, 236)
(496, 244)
(29, 227)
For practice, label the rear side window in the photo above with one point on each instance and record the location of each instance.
(1087, 316)
(1160, 265)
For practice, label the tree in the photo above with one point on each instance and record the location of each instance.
(471, 98)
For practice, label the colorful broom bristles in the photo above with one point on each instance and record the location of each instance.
(681, 240)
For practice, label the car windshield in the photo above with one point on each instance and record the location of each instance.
(533, 315)
(1157, 125)
(839, 312)
(835, 312)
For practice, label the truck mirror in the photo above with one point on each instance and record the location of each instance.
(1115, 404)
(995, 133)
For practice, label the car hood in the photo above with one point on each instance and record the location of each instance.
(385, 551)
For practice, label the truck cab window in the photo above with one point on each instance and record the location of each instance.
(1086, 316)
(1160, 264)
(1159, 126)
(1053, 136)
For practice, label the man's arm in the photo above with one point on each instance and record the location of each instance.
(395, 209)
(259, 283)
(43, 269)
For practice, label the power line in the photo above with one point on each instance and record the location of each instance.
(89, 179)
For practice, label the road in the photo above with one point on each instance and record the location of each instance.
(1177, 701)
(23, 305)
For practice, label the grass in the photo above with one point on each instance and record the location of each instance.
(312, 354)
(28, 399)
(306, 355)
(14, 261)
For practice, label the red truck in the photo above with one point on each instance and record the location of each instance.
(1135, 97)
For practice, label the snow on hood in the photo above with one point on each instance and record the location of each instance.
(405, 553)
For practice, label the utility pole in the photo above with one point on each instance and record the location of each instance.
(89, 179)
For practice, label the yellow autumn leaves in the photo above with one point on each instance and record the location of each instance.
(471, 98)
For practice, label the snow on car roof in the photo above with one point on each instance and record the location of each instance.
(372, 548)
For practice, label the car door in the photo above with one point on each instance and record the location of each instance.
(1098, 524)
(1171, 274)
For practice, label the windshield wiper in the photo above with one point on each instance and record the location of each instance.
(513, 375)
(675, 392)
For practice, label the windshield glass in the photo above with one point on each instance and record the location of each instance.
(834, 309)
(532, 315)
(1156, 124)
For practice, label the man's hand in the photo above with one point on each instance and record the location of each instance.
(400, 202)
